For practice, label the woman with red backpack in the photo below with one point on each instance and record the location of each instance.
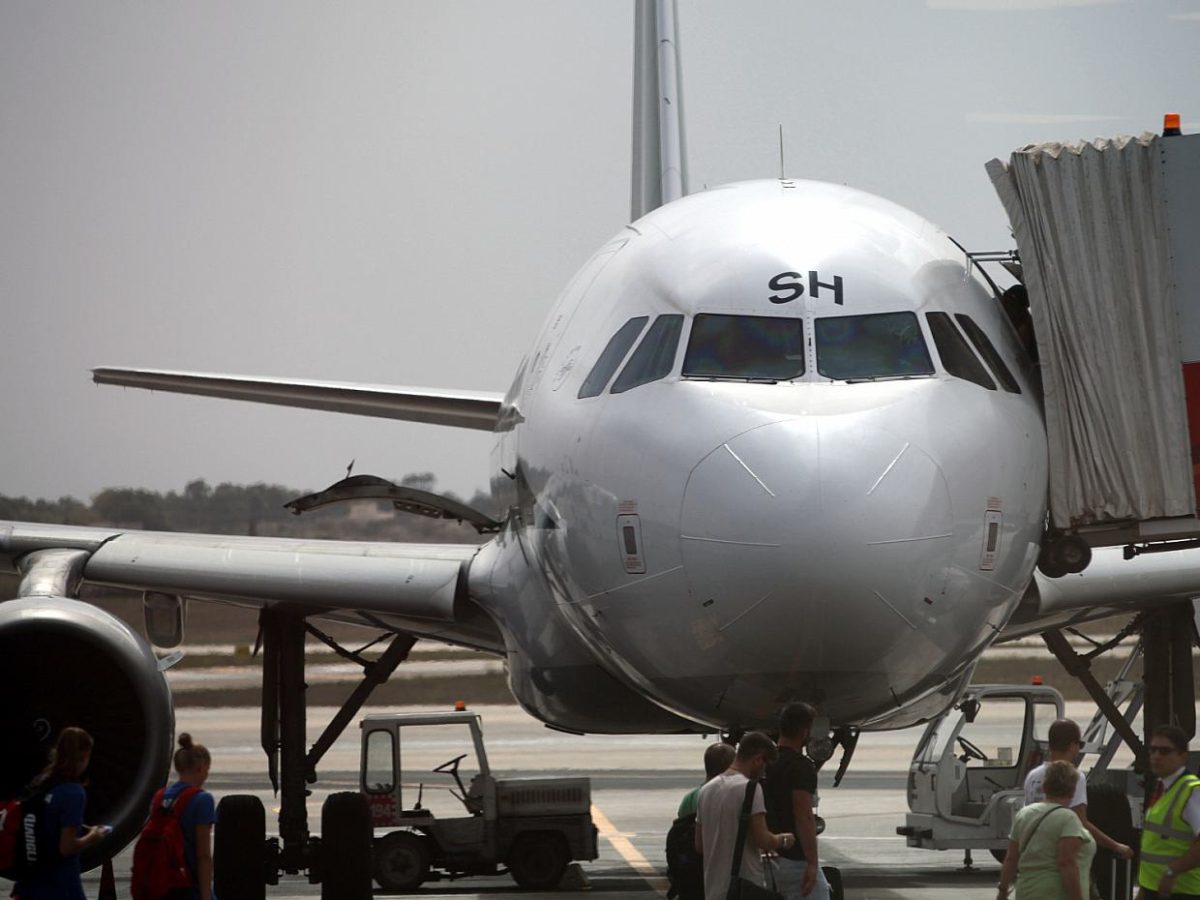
(172, 859)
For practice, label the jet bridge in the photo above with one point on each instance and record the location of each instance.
(1106, 233)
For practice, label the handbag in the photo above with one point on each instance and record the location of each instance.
(741, 888)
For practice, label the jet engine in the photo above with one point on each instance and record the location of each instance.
(64, 662)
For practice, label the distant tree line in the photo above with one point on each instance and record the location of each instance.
(247, 509)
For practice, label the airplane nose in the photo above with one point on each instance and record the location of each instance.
(837, 533)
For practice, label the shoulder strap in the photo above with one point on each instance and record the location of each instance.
(182, 799)
(1044, 816)
(743, 820)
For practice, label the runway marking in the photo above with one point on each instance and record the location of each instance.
(621, 843)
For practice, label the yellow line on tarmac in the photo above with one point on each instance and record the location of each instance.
(621, 843)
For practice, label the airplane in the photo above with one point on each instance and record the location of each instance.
(776, 440)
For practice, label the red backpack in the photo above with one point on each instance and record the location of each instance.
(159, 860)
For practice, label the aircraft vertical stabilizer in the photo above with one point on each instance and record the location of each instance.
(659, 154)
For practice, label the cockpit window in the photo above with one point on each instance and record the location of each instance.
(957, 358)
(988, 351)
(745, 347)
(618, 345)
(654, 356)
(884, 345)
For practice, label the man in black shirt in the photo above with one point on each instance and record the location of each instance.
(790, 786)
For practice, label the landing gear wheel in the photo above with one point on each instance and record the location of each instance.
(239, 846)
(537, 861)
(999, 855)
(346, 847)
(401, 861)
(970, 751)
(1068, 555)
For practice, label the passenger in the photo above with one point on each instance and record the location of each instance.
(717, 758)
(62, 821)
(1049, 851)
(790, 786)
(1171, 836)
(192, 762)
(685, 866)
(1065, 742)
(1015, 302)
(719, 810)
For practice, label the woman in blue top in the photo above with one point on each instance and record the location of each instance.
(192, 762)
(62, 823)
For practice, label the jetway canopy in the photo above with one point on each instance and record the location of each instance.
(1105, 231)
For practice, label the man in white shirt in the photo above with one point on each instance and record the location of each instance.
(1065, 743)
(719, 811)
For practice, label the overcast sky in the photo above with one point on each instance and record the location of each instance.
(395, 192)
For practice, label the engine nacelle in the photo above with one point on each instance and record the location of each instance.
(64, 662)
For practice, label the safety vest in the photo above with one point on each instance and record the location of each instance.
(1166, 836)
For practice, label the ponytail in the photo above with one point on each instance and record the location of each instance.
(190, 756)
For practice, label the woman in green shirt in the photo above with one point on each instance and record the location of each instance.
(1049, 851)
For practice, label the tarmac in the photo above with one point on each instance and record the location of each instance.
(637, 782)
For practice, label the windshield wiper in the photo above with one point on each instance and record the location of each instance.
(874, 378)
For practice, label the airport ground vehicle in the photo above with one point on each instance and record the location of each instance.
(533, 827)
(966, 779)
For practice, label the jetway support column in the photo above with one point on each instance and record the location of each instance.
(1168, 671)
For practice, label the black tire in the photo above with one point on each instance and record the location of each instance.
(538, 860)
(401, 861)
(346, 837)
(239, 848)
(999, 855)
(833, 875)
(1108, 810)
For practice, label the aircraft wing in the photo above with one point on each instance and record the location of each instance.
(417, 588)
(461, 409)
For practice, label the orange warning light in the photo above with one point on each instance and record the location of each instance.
(460, 705)
(1171, 124)
(1036, 679)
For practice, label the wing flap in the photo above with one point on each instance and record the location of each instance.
(416, 582)
(459, 409)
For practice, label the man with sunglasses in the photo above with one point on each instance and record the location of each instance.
(1171, 836)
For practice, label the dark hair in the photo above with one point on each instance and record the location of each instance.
(795, 718)
(70, 748)
(1173, 733)
(717, 758)
(754, 743)
(1061, 778)
(1063, 733)
(190, 755)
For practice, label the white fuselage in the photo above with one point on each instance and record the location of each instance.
(829, 515)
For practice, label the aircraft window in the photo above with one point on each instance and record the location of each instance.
(654, 356)
(766, 347)
(618, 345)
(988, 351)
(884, 345)
(957, 357)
